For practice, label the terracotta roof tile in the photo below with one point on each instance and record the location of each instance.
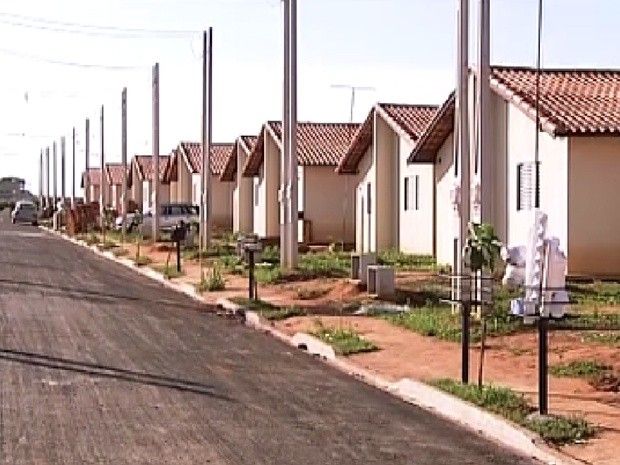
(93, 175)
(146, 166)
(435, 134)
(573, 101)
(219, 155)
(245, 143)
(114, 173)
(318, 144)
(409, 120)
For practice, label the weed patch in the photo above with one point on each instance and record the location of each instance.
(268, 310)
(513, 406)
(408, 262)
(608, 338)
(344, 341)
(142, 260)
(169, 272)
(579, 369)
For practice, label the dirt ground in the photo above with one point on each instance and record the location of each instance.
(510, 361)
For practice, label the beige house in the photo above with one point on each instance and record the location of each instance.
(183, 174)
(242, 198)
(325, 200)
(141, 181)
(579, 164)
(114, 185)
(91, 183)
(393, 199)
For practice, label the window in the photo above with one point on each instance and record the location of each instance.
(412, 192)
(528, 186)
(368, 198)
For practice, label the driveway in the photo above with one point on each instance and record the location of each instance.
(102, 366)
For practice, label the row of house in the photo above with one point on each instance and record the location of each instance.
(389, 183)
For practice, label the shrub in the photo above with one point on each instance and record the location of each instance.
(215, 282)
(169, 272)
(271, 254)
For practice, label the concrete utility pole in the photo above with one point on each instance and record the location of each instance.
(124, 161)
(284, 158)
(41, 180)
(55, 177)
(87, 198)
(73, 201)
(102, 183)
(206, 140)
(63, 170)
(485, 159)
(289, 134)
(155, 197)
(47, 176)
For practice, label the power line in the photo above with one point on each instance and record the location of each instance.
(69, 63)
(61, 26)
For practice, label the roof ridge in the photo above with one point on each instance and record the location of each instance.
(412, 105)
(555, 69)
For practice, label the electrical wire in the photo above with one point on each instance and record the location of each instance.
(62, 26)
(71, 63)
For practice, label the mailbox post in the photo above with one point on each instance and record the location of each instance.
(250, 247)
(178, 235)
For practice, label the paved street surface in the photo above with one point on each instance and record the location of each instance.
(100, 366)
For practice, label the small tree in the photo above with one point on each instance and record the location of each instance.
(481, 253)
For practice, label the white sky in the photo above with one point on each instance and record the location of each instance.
(402, 48)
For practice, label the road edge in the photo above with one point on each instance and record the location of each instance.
(433, 400)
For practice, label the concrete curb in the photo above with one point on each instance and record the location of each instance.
(422, 395)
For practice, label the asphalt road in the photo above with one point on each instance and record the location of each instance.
(100, 366)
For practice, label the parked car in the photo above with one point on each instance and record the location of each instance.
(131, 221)
(25, 212)
(170, 215)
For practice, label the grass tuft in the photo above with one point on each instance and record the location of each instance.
(142, 260)
(579, 369)
(169, 272)
(608, 338)
(344, 341)
(268, 310)
(407, 262)
(513, 406)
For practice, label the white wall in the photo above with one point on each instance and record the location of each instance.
(553, 179)
(195, 191)
(415, 226)
(259, 214)
(446, 217)
(365, 237)
(242, 197)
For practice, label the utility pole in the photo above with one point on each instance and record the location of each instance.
(206, 148)
(55, 177)
(292, 140)
(354, 90)
(73, 201)
(203, 165)
(485, 166)
(284, 154)
(155, 196)
(63, 171)
(462, 154)
(102, 183)
(87, 198)
(47, 176)
(124, 162)
(41, 181)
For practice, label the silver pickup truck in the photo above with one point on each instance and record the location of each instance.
(170, 215)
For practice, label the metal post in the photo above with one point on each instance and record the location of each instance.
(124, 163)
(87, 198)
(63, 192)
(252, 294)
(178, 244)
(54, 177)
(293, 200)
(73, 201)
(465, 331)
(485, 161)
(284, 153)
(543, 365)
(207, 141)
(102, 183)
(155, 203)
